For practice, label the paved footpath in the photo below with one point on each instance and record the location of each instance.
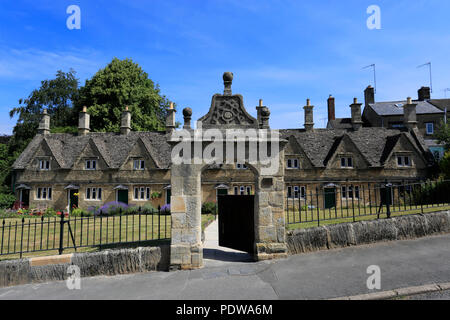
(322, 275)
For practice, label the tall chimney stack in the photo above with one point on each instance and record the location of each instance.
(369, 95)
(331, 108)
(263, 114)
(356, 114)
(125, 126)
(170, 119)
(44, 124)
(309, 117)
(409, 114)
(424, 93)
(84, 122)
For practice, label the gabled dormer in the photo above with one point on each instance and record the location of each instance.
(139, 158)
(43, 158)
(295, 157)
(403, 154)
(90, 158)
(345, 155)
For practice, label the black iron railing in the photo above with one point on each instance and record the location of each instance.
(352, 202)
(26, 235)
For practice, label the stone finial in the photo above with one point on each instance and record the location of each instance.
(263, 114)
(125, 127)
(187, 115)
(410, 114)
(44, 124)
(227, 81)
(309, 116)
(84, 122)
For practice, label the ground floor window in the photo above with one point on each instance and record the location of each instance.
(44, 193)
(141, 193)
(242, 190)
(294, 192)
(350, 192)
(93, 194)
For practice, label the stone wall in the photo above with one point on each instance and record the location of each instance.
(366, 232)
(108, 262)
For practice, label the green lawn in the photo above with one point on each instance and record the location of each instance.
(124, 231)
(309, 218)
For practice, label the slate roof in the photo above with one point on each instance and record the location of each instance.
(373, 143)
(340, 123)
(113, 147)
(396, 108)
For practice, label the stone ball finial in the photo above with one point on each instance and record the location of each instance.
(228, 76)
(187, 112)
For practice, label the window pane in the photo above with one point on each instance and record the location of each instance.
(136, 193)
(350, 162)
(350, 192)
(357, 192)
(343, 162)
(148, 193)
(94, 164)
(99, 196)
(399, 161)
(249, 190)
(49, 193)
(289, 163)
(94, 193)
(289, 189)
(88, 193)
(44, 193)
(302, 192)
(39, 193)
(142, 164)
(47, 165)
(344, 192)
(406, 161)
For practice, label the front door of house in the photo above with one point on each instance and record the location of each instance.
(330, 198)
(122, 196)
(236, 222)
(24, 198)
(73, 199)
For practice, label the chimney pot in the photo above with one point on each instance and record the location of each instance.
(409, 114)
(356, 114)
(44, 124)
(84, 122)
(125, 127)
(170, 118)
(309, 116)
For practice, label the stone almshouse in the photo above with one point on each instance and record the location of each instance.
(89, 168)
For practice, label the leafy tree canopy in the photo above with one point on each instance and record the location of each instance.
(123, 83)
(55, 95)
(443, 135)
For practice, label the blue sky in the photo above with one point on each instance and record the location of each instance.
(280, 51)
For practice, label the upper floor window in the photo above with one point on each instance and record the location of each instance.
(141, 193)
(139, 164)
(44, 164)
(44, 193)
(346, 162)
(430, 127)
(91, 164)
(243, 190)
(241, 166)
(292, 163)
(404, 161)
(93, 193)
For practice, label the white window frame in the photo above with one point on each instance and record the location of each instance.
(402, 162)
(139, 164)
(432, 128)
(93, 194)
(297, 192)
(242, 190)
(43, 193)
(92, 164)
(346, 162)
(44, 165)
(143, 193)
(352, 190)
(294, 163)
(241, 166)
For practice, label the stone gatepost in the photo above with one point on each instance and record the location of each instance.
(270, 220)
(186, 251)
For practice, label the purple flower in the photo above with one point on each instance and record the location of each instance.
(112, 208)
(165, 208)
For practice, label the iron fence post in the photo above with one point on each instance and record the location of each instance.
(61, 234)
(21, 238)
(387, 191)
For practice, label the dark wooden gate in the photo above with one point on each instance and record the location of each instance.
(236, 222)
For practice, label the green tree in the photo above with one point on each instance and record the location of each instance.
(443, 135)
(123, 83)
(57, 96)
(444, 164)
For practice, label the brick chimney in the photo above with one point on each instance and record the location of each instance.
(44, 124)
(125, 126)
(331, 108)
(170, 119)
(424, 93)
(84, 122)
(409, 114)
(369, 95)
(309, 117)
(356, 114)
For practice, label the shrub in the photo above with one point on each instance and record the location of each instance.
(209, 208)
(165, 209)
(50, 212)
(112, 208)
(7, 200)
(80, 212)
(145, 209)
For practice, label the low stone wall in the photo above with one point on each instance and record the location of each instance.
(365, 232)
(108, 262)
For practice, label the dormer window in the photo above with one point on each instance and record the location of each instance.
(241, 166)
(139, 164)
(346, 162)
(292, 163)
(44, 164)
(91, 164)
(404, 161)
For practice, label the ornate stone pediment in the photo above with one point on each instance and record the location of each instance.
(227, 110)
